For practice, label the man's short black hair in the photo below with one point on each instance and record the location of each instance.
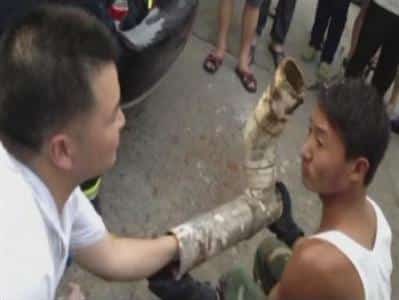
(358, 113)
(47, 62)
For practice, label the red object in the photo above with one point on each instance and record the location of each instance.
(118, 12)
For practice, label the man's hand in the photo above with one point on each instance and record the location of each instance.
(285, 228)
(166, 287)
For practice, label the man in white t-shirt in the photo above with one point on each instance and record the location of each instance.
(60, 121)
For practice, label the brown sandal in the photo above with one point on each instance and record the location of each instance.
(212, 63)
(248, 80)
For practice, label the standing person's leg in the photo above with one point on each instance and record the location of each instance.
(263, 15)
(249, 21)
(335, 30)
(356, 28)
(282, 21)
(225, 13)
(215, 58)
(262, 20)
(322, 18)
(371, 37)
(339, 13)
(387, 65)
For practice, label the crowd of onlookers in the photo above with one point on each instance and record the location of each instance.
(374, 43)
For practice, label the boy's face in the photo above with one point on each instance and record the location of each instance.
(325, 169)
(98, 140)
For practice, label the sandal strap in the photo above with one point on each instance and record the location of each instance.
(214, 59)
(248, 77)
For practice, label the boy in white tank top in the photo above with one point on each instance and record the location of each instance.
(348, 136)
(349, 257)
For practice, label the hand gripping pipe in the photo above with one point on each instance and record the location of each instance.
(259, 205)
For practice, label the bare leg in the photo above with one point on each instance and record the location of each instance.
(249, 23)
(225, 13)
(282, 21)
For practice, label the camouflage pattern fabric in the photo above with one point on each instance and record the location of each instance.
(270, 260)
(239, 285)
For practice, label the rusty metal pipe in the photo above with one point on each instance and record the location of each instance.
(211, 233)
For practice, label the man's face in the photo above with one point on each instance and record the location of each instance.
(325, 169)
(98, 140)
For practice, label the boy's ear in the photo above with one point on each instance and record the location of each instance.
(359, 169)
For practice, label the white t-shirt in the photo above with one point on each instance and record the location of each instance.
(35, 240)
(389, 5)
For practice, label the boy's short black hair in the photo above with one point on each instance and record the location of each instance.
(358, 113)
(47, 62)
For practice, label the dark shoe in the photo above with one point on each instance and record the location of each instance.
(277, 56)
(212, 63)
(247, 79)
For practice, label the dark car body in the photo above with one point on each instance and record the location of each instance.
(148, 49)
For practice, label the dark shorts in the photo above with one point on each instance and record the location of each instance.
(255, 3)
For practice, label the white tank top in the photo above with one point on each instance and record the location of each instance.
(373, 266)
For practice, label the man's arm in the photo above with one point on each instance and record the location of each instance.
(319, 271)
(124, 259)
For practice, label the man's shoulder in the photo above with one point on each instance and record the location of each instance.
(317, 253)
(318, 270)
